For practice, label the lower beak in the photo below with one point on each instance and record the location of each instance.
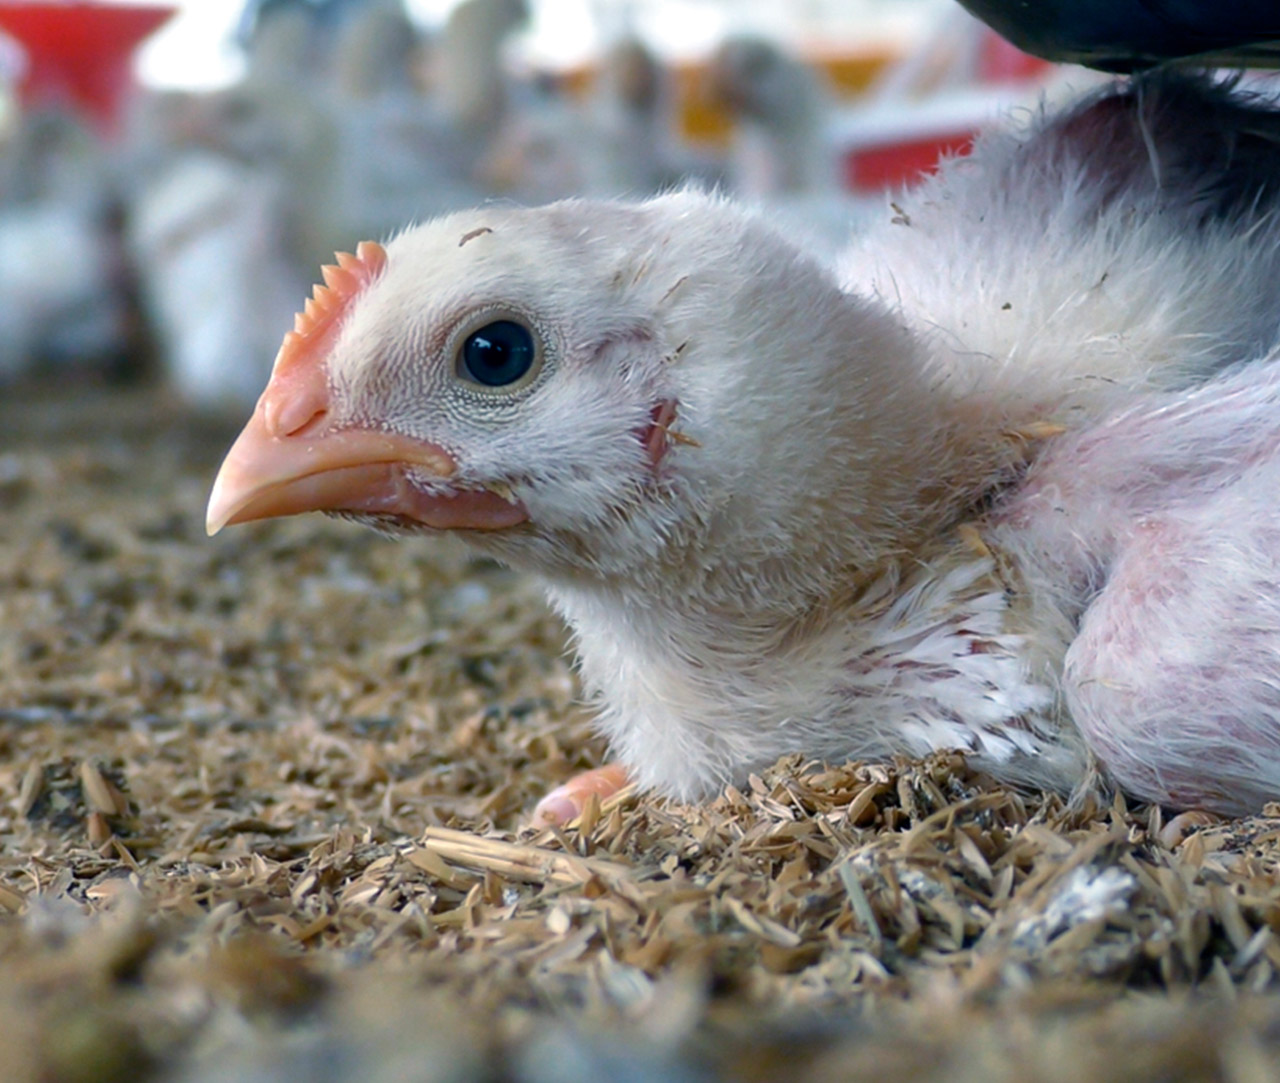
(359, 471)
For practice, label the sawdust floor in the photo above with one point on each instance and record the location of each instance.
(261, 806)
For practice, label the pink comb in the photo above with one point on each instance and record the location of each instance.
(343, 283)
(297, 393)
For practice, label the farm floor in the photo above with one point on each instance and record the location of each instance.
(261, 818)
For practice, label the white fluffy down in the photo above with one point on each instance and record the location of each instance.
(1006, 485)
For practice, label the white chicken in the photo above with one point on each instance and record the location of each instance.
(231, 198)
(1006, 488)
(391, 168)
(614, 144)
(780, 108)
(782, 158)
(406, 156)
(217, 276)
(63, 290)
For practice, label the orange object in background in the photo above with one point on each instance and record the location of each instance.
(702, 121)
(80, 54)
(847, 75)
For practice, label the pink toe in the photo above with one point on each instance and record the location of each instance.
(558, 808)
(566, 802)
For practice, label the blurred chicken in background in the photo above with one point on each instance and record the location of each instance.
(224, 216)
(780, 107)
(410, 151)
(64, 284)
(781, 157)
(618, 139)
(200, 225)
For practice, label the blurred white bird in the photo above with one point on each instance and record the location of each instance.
(408, 155)
(231, 197)
(615, 143)
(782, 157)
(390, 171)
(469, 78)
(326, 136)
(216, 276)
(780, 108)
(63, 287)
(1006, 488)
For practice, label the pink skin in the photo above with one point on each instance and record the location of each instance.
(1164, 525)
(566, 802)
(1167, 678)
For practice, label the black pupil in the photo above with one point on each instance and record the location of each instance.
(498, 353)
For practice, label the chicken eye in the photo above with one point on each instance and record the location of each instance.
(498, 354)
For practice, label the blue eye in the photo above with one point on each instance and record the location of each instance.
(498, 354)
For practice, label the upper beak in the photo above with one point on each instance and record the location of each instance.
(288, 460)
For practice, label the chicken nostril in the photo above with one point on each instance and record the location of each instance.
(293, 415)
(317, 423)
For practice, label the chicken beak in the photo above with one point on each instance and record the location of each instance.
(354, 470)
(287, 461)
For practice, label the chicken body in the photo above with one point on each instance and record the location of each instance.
(956, 497)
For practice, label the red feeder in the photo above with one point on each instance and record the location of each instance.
(79, 53)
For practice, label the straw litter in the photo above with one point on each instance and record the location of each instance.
(262, 805)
